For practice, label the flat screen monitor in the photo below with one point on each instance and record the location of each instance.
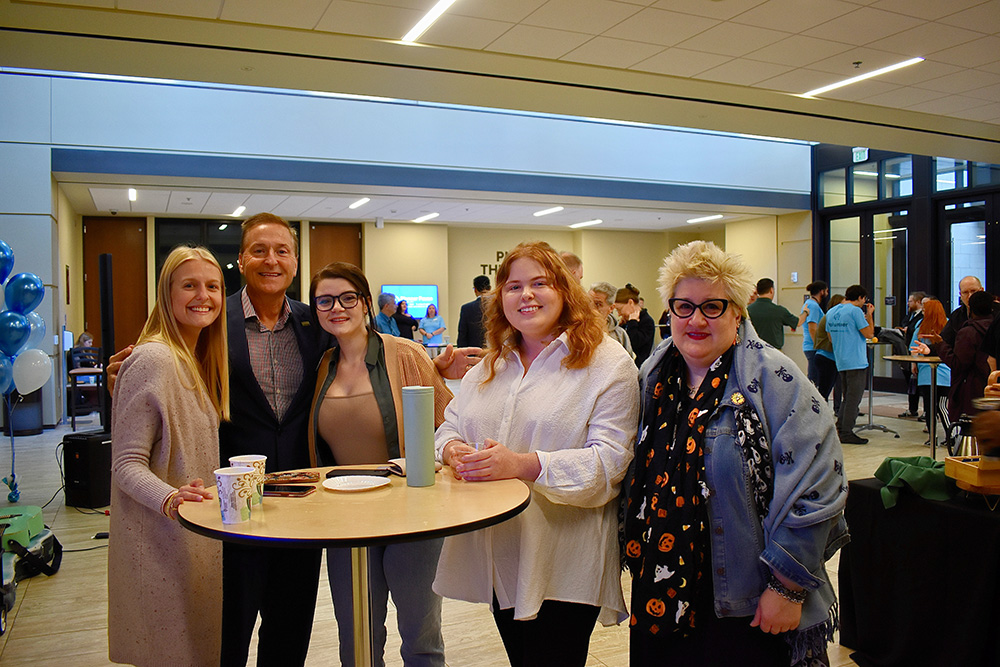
(417, 297)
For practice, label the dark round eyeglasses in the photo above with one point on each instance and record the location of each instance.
(712, 309)
(324, 302)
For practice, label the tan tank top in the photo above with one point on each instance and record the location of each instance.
(352, 427)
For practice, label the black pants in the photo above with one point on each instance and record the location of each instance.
(559, 636)
(279, 583)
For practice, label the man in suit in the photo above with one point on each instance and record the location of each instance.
(470, 320)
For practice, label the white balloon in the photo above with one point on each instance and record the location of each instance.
(32, 369)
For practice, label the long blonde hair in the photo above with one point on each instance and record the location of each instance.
(208, 362)
(584, 329)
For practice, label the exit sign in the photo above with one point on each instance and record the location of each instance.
(859, 154)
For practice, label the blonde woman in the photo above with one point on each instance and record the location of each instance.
(554, 403)
(165, 582)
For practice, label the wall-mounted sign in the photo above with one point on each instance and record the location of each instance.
(890, 301)
(859, 154)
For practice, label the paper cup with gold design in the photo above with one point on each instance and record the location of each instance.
(258, 462)
(235, 488)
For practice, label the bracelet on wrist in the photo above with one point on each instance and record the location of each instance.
(795, 597)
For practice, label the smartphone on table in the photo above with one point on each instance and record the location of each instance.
(288, 490)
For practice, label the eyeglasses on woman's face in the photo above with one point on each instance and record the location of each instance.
(325, 302)
(712, 309)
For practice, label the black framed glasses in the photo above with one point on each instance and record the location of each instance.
(325, 302)
(712, 309)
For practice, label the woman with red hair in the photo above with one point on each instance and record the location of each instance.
(934, 321)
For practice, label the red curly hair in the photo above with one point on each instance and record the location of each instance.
(579, 320)
(934, 318)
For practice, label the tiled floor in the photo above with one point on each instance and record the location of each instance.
(63, 620)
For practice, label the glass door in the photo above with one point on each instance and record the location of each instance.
(969, 233)
(890, 285)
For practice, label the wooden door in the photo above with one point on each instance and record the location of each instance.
(125, 240)
(335, 242)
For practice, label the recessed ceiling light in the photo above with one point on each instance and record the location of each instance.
(873, 174)
(588, 223)
(132, 194)
(222, 226)
(360, 202)
(229, 266)
(862, 77)
(425, 218)
(705, 219)
(429, 18)
(554, 209)
(238, 212)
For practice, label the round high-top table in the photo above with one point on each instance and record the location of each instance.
(392, 513)
(933, 361)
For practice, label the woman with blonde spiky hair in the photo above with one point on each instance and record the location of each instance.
(165, 582)
(554, 403)
(736, 493)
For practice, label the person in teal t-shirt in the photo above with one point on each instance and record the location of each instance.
(431, 327)
(850, 325)
(812, 313)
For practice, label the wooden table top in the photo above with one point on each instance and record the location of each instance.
(913, 358)
(392, 513)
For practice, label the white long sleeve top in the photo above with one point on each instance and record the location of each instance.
(582, 424)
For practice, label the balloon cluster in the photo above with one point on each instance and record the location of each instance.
(22, 365)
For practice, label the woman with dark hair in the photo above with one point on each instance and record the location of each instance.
(934, 321)
(360, 383)
(736, 494)
(407, 325)
(553, 403)
(636, 321)
(826, 364)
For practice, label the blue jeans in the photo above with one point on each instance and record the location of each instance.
(812, 371)
(406, 571)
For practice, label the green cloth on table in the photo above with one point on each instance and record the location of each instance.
(922, 474)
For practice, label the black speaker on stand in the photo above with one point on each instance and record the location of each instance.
(87, 455)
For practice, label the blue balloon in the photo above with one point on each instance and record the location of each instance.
(23, 293)
(6, 260)
(14, 332)
(6, 375)
(37, 336)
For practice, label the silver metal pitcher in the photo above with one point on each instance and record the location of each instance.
(966, 443)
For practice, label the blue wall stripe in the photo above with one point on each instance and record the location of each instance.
(74, 160)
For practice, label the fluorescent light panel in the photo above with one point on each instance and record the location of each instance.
(359, 203)
(222, 227)
(428, 20)
(425, 218)
(862, 77)
(132, 194)
(238, 212)
(588, 223)
(705, 219)
(554, 209)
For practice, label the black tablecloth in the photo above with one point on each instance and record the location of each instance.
(920, 583)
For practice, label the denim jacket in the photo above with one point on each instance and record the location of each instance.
(805, 524)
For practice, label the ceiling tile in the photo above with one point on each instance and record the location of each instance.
(528, 40)
(289, 13)
(948, 104)
(151, 201)
(903, 97)
(713, 10)
(797, 81)
(108, 4)
(680, 62)
(991, 67)
(791, 15)
(108, 199)
(508, 10)
(295, 206)
(861, 90)
(656, 26)
(798, 51)
(588, 16)
(464, 32)
(729, 39)
(984, 18)
(863, 26)
(190, 202)
(972, 54)
(609, 52)
(203, 9)
(743, 72)
(928, 10)
(224, 203)
(360, 18)
(987, 114)
(966, 80)
(925, 71)
(261, 202)
(843, 65)
(991, 93)
(926, 39)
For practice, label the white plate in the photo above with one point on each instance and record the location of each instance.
(355, 482)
